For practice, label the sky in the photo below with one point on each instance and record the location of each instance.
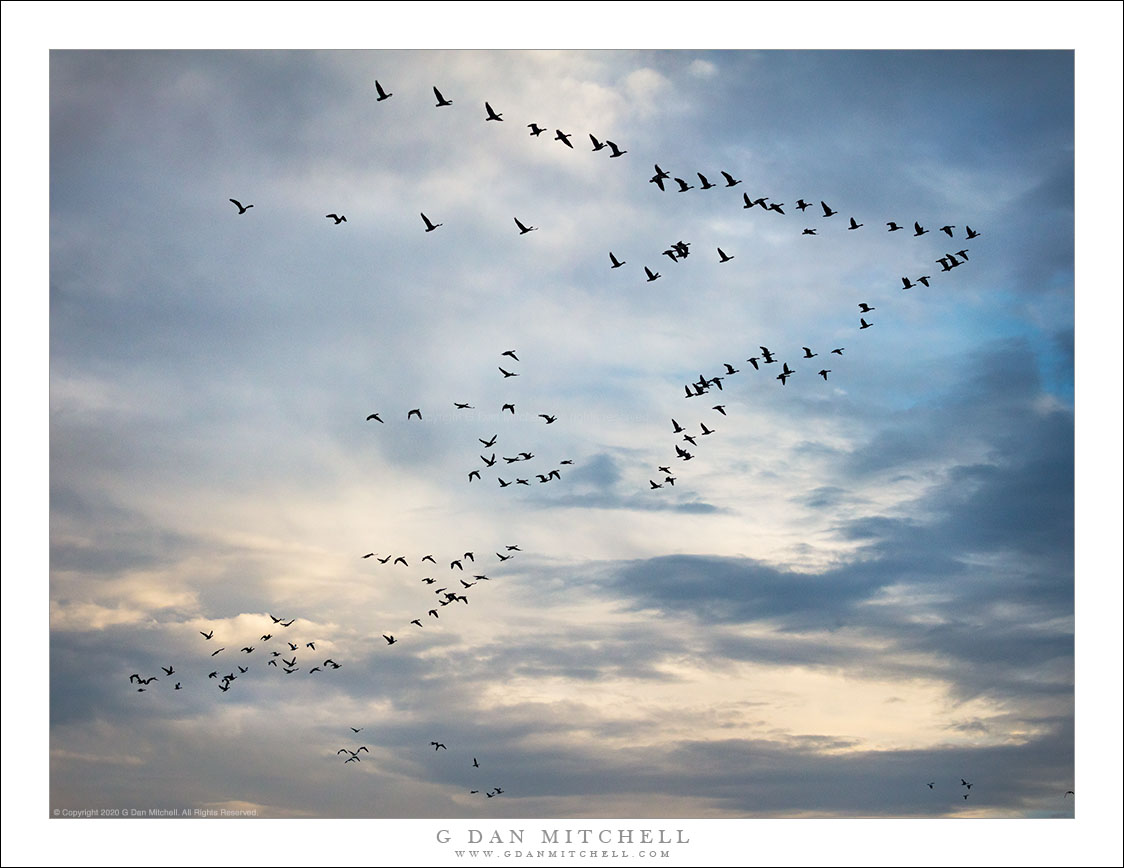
(861, 583)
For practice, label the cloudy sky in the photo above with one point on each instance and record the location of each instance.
(860, 583)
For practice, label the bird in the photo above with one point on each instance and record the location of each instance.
(597, 146)
(400, 560)
(801, 205)
(918, 230)
(824, 372)
(390, 640)
(683, 185)
(206, 635)
(827, 212)
(924, 279)
(730, 182)
(854, 225)
(523, 230)
(242, 209)
(507, 374)
(429, 225)
(808, 354)
(564, 138)
(947, 230)
(488, 444)
(723, 257)
(706, 185)
(511, 354)
(353, 729)
(441, 101)
(492, 116)
(414, 412)
(374, 416)
(838, 351)
(706, 430)
(416, 621)
(768, 355)
(776, 206)
(864, 323)
(753, 361)
(617, 152)
(473, 474)
(651, 275)
(808, 232)
(437, 745)
(654, 484)
(535, 129)
(463, 406)
(213, 653)
(616, 262)
(457, 563)
(549, 419)
(931, 784)
(865, 308)
(906, 283)
(510, 407)
(963, 253)
(971, 233)
(339, 218)
(382, 93)
(894, 227)
(475, 764)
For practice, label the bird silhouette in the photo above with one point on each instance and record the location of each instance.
(971, 233)
(808, 232)
(706, 185)
(864, 324)
(492, 116)
(723, 257)
(507, 374)
(339, 218)
(827, 212)
(523, 230)
(616, 152)
(854, 225)
(730, 182)
(597, 146)
(382, 93)
(430, 226)
(616, 262)
(683, 185)
(441, 101)
(823, 372)
(651, 275)
(414, 412)
(242, 209)
(390, 640)
(918, 229)
(894, 227)
(564, 138)
(535, 129)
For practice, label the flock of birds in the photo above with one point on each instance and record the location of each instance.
(452, 590)
(282, 655)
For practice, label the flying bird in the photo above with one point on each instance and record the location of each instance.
(492, 116)
(864, 324)
(510, 407)
(683, 185)
(706, 185)
(242, 209)
(535, 129)
(894, 227)
(723, 257)
(865, 308)
(854, 225)
(971, 233)
(390, 640)
(206, 635)
(651, 275)
(564, 138)
(429, 225)
(374, 416)
(824, 372)
(730, 182)
(339, 218)
(918, 230)
(801, 205)
(507, 374)
(414, 412)
(827, 212)
(382, 93)
(808, 232)
(616, 262)
(523, 230)
(441, 101)
(597, 146)
(617, 152)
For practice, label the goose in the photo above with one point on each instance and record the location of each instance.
(429, 225)
(242, 209)
(441, 101)
(492, 116)
(382, 93)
